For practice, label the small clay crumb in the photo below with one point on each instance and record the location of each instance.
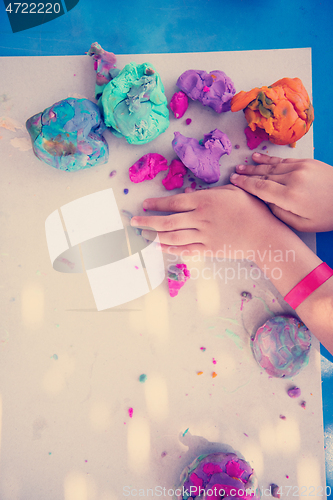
(113, 173)
(246, 295)
(303, 404)
(236, 146)
(188, 121)
(294, 392)
(163, 454)
(199, 373)
(283, 417)
(214, 374)
(275, 490)
(125, 191)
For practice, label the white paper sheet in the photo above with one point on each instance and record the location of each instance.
(70, 374)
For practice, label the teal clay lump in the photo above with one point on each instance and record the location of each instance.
(67, 135)
(134, 104)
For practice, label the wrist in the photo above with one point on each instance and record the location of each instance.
(288, 259)
(309, 284)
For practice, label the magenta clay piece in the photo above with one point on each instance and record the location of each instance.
(214, 89)
(217, 476)
(175, 176)
(275, 491)
(177, 276)
(179, 104)
(255, 138)
(147, 167)
(203, 160)
(294, 392)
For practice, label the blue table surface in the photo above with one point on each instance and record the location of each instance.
(196, 26)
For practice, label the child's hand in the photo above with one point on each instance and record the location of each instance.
(221, 220)
(299, 192)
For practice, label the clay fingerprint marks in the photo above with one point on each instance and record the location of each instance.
(226, 472)
(134, 104)
(116, 273)
(281, 112)
(281, 346)
(23, 16)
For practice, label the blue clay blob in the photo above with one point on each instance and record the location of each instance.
(68, 136)
(281, 346)
(134, 104)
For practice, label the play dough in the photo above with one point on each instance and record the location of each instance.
(68, 136)
(104, 65)
(203, 160)
(214, 89)
(178, 274)
(175, 176)
(255, 137)
(134, 104)
(179, 104)
(281, 346)
(216, 476)
(147, 167)
(283, 110)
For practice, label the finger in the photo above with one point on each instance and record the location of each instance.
(182, 202)
(174, 238)
(265, 189)
(261, 158)
(173, 222)
(296, 221)
(279, 168)
(283, 179)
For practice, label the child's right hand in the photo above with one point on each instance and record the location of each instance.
(299, 192)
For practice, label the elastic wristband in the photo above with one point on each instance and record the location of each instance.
(308, 285)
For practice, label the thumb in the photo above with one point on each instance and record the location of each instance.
(293, 220)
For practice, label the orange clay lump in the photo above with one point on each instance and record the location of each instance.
(283, 110)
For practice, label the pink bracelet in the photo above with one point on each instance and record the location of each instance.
(308, 285)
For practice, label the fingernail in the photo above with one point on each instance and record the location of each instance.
(256, 155)
(134, 222)
(241, 167)
(234, 177)
(145, 205)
